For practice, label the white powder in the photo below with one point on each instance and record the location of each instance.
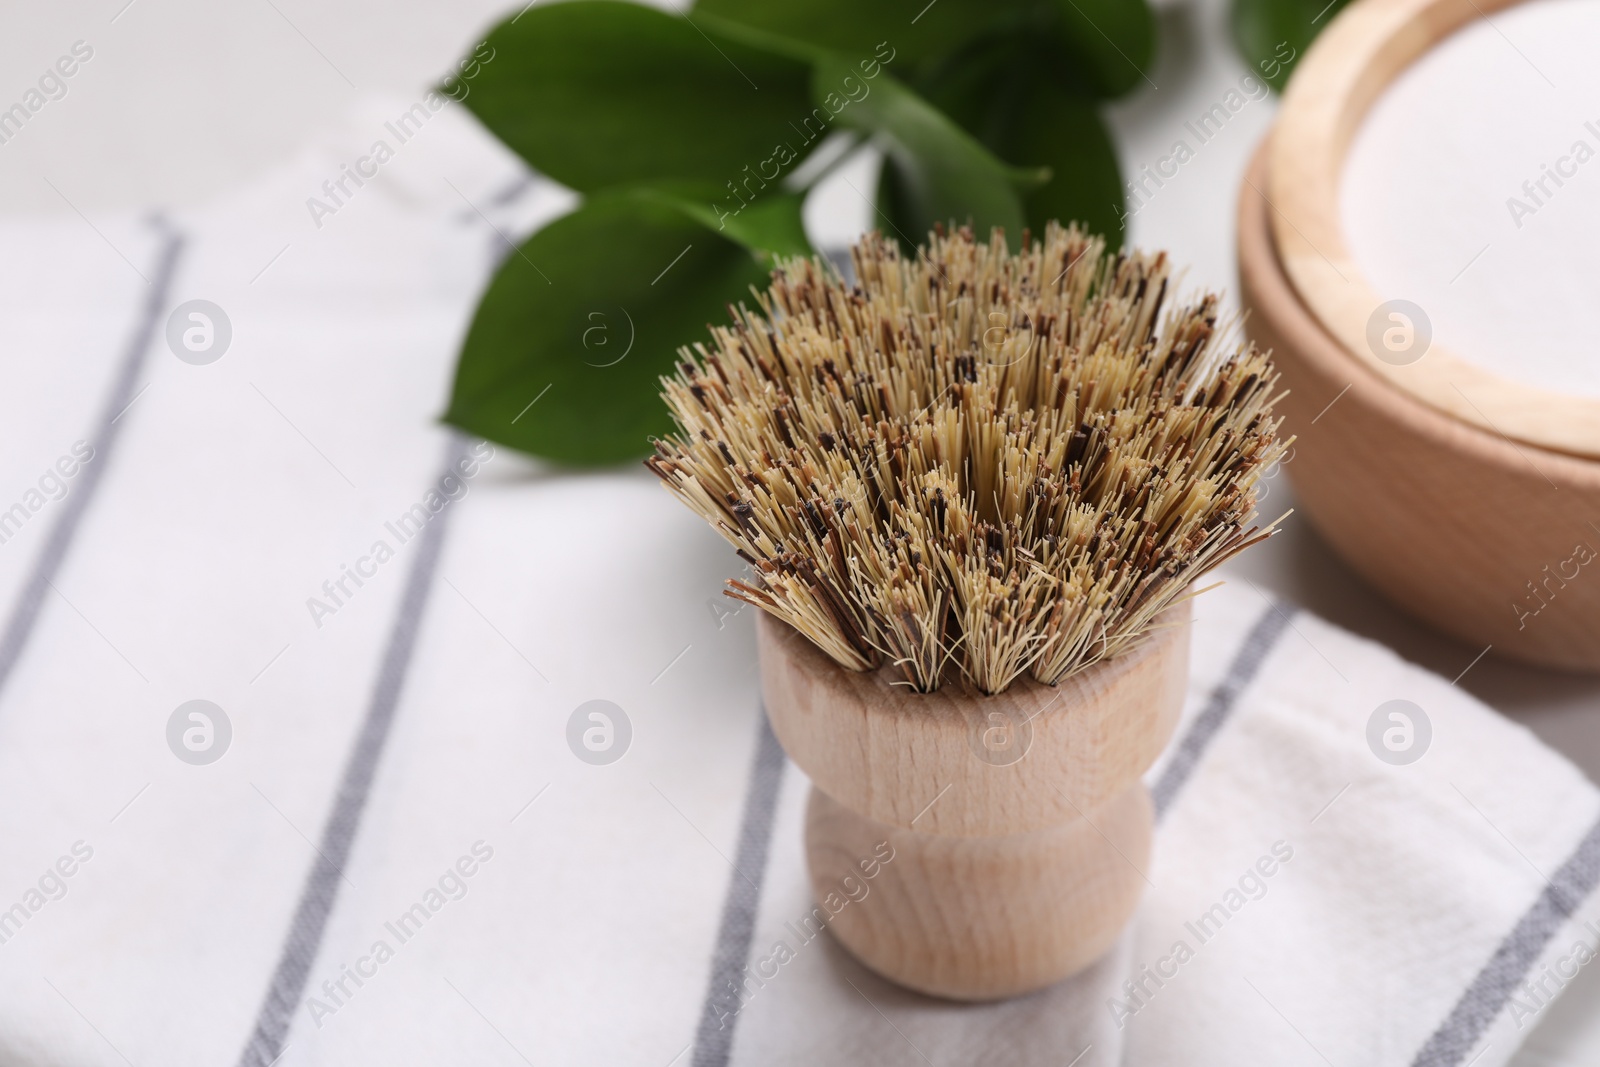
(1435, 209)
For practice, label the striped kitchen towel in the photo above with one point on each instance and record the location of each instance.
(330, 737)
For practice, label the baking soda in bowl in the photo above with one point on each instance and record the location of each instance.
(1472, 189)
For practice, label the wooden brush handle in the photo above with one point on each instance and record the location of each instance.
(1018, 825)
(979, 918)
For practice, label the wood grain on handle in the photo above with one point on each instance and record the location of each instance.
(1019, 822)
(887, 752)
(980, 918)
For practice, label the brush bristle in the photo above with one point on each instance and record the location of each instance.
(976, 464)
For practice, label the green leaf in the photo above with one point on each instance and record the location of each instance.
(940, 173)
(1272, 35)
(565, 352)
(1025, 117)
(1065, 133)
(770, 226)
(908, 30)
(598, 93)
(1101, 47)
(1114, 42)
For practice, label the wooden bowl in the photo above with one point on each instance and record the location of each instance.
(1365, 47)
(968, 846)
(1490, 540)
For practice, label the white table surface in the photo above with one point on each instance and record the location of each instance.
(186, 99)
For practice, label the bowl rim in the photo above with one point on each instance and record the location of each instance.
(1335, 84)
(1274, 296)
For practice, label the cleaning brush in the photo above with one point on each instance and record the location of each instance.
(973, 464)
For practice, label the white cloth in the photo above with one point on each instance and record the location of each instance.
(573, 913)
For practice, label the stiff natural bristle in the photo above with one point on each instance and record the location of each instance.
(976, 464)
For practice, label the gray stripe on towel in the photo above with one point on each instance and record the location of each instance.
(338, 835)
(31, 600)
(713, 1043)
(1258, 645)
(1489, 993)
